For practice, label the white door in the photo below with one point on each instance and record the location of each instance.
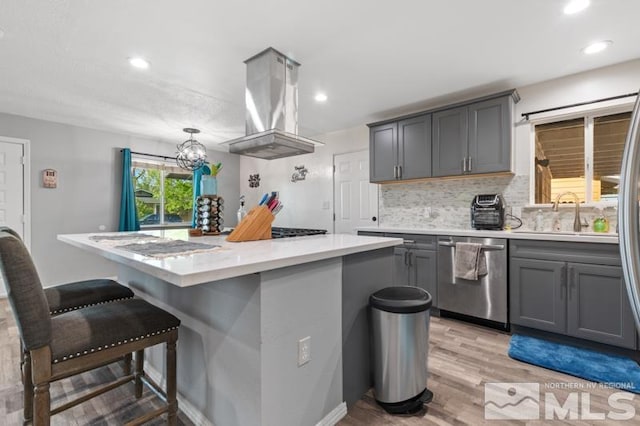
(355, 199)
(11, 190)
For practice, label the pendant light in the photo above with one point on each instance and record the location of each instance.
(191, 154)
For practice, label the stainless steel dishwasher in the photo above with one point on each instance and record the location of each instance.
(484, 298)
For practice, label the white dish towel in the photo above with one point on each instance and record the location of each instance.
(470, 261)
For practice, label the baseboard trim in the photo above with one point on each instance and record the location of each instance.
(334, 416)
(185, 406)
(198, 418)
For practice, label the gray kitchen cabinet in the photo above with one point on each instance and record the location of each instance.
(400, 266)
(383, 152)
(415, 263)
(490, 136)
(538, 294)
(473, 139)
(575, 289)
(422, 272)
(598, 308)
(400, 150)
(450, 141)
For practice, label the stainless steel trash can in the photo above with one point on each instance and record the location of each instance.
(400, 336)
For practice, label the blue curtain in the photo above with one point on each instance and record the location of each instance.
(197, 178)
(128, 211)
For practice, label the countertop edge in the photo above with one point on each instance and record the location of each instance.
(513, 235)
(200, 277)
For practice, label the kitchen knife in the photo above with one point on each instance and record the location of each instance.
(263, 199)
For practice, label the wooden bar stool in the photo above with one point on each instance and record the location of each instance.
(69, 297)
(83, 339)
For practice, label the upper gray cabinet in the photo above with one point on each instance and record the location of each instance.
(472, 139)
(383, 152)
(401, 149)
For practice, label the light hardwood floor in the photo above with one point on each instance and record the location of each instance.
(462, 357)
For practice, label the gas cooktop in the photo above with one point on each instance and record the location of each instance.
(277, 232)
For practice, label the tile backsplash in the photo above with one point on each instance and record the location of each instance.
(445, 203)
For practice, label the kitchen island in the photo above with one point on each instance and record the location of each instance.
(244, 308)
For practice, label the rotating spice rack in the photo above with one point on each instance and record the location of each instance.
(209, 215)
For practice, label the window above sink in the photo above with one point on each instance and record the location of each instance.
(581, 155)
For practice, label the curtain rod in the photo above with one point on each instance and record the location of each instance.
(152, 155)
(527, 114)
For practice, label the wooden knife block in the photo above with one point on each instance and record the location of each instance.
(256, 225)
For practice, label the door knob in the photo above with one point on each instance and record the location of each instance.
(374, 218)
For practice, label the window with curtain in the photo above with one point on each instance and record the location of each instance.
(164, 193)
(581, 155)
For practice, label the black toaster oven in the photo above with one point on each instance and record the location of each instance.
(487, 211)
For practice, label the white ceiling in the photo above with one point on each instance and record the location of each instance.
(66, 60)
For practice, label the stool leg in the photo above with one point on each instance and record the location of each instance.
(27, 384)
(41, 377)
(127, 364)
(172, 401)
(42, 405)
(139, 372)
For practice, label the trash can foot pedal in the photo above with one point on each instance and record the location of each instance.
(410, 406)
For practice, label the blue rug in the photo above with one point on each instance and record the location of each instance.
(595, 366)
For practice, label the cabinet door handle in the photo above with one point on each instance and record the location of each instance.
(405, 257)
(408, 241)
(573, 284)
(410, 254)
(563, 280)
(395, 172)
(464, 164)
(399, 172)
(469, 167)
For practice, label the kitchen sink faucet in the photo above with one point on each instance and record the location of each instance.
(577, 224)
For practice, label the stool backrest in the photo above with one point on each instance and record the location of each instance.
(10, 232)
(25, 292)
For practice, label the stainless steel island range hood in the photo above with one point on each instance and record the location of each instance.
(271, 98)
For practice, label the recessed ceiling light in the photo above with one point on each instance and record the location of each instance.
(321, 97)
(575, 6)
(596, 47)
(138, 62)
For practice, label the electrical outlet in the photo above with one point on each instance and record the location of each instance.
(304, 351)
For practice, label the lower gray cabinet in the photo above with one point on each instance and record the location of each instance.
(566, 296)
(538, 294)
(400, 266)
(414, 263)
(422, 272)
(598, 308)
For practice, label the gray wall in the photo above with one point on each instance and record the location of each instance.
(88, 193)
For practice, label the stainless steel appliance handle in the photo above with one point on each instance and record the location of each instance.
(628, 213)
(484, 246)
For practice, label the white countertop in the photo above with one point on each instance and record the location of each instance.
(231, 259)
(583, 237)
